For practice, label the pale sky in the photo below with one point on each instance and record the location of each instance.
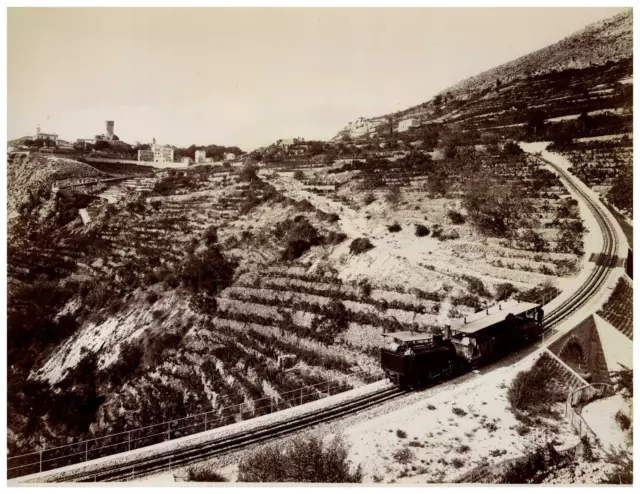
(248, 77)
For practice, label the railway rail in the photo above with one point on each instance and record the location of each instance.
(202, 451)
(599, 275)
(162, 460)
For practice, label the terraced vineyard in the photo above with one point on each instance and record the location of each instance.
(618, 310)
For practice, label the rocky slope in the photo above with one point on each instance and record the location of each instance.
(597, 49)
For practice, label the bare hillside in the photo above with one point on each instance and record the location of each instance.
(609, 40)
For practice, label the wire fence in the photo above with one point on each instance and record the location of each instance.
(97, 447)
(579, 398)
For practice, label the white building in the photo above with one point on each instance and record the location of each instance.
(406, 124)
(162, 154)
(186, 160)
(229, 156)
(201, 156)
(45, 136)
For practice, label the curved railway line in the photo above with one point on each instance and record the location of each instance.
(160, 461)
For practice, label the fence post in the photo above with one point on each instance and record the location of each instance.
(169, 431)
(129, 440)
(41, 449)
(301, 395)
(205, 420)
(86, 451)
(271, 405)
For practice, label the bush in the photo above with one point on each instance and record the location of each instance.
(395, 227)
(401, 434)
(360, 245)
(299, 234)
(458, 411)
(210, 236)
(404, 456)
(623, 420)
(458, 462)
(504, 291)
(393, 195)
(456, 217)
(204, 473)
(437, 231)
(534, 391)
(299, 175)
(207, 271)
(304, 459)
(369, 198)
(421, 230)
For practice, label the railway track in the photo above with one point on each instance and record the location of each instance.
(598, 276)
(169, 459)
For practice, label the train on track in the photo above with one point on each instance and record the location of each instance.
(414, 359)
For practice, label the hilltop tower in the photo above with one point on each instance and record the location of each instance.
(109, 124)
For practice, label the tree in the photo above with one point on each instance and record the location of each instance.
(494, 206)
(249, 173)
(100, 145)
(536, 122)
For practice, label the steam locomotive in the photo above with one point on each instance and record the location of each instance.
(413, 359)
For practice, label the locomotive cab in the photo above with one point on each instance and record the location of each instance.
(410, 359)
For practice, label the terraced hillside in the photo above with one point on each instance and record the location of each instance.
(618, 310)
(537, 97)
(606, 167)
(127, 304)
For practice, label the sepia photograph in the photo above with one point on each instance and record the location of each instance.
(318, 246)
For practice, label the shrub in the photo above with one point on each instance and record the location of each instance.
(421, 230)
(299, 234)
(476, 286)
(360, 245)
(395, 227)
(369, 198)
(210, 236)
(456, 217)
(437, 231)
(303, 459)
(623, 420)
(458, 411)
(299, 175)
(152, 297)
(415, 444)
(365, 288)
(393, 195)
(404, 456)
(207, 271)
(490, 426)
(533, 390)
(463, 448)
(458, 462)
(204, 473)
(401, 434)
(504, 291)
